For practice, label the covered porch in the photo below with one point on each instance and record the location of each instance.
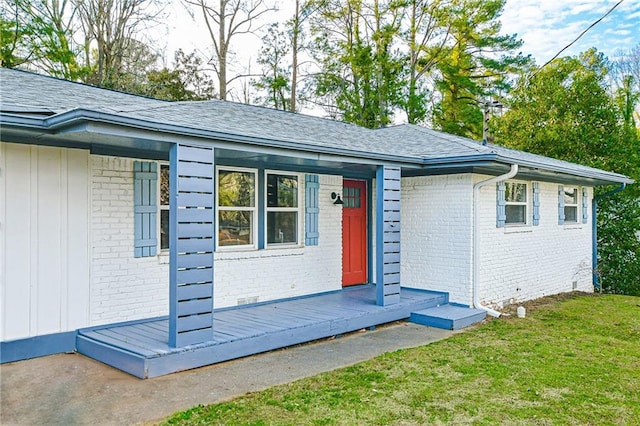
(142, 348)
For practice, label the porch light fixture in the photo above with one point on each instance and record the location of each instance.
(336, 197)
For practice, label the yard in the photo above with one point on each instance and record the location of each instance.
(574, 359)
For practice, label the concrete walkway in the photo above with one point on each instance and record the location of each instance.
(70, 389)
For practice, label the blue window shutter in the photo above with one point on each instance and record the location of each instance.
(312, 209)
(536, 203)
(145, 181)
(560, 205)
(501, 205)
(585, 205)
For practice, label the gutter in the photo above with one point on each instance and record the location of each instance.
(476, 237)
(594, 233)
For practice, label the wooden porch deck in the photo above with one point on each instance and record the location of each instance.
(141, 348)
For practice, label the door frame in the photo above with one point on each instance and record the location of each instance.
(367, 241)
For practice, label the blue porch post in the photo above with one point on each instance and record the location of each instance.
(191, 244)
(387, 235)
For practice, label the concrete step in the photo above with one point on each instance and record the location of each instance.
(448, 317)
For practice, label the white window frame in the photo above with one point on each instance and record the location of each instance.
(161, 207)
(575, 205)
(254, 209)
(528, 194)
(297, 210)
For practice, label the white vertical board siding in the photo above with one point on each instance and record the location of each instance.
(44, 230)
(437, 221)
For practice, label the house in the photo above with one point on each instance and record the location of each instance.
(159, 236)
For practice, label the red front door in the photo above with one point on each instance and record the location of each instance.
(354, 232)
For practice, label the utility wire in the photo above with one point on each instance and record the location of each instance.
(577, 38)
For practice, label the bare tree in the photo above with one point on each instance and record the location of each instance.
(111, 26)
(226, 19)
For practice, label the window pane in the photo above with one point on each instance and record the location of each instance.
(236, 189)
(282, 191)
(164, 185)
(516, 192)
(282, 227)
(164, 229)
(516, 214)
(570, 214)
(571, 196)
(351, 198)
(234, 228)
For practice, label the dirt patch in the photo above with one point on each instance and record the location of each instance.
(542, 302)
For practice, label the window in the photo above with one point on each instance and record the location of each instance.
(236, 207)
(164, 207)
(282, 208)
(571, 205)
(516, 203)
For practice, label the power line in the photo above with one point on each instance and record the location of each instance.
(578, 38)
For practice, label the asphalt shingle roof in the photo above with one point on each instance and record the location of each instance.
(32, 94)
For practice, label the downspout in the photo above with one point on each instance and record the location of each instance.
(594, 233)
(476, 238)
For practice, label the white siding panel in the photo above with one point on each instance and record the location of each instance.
(16, 234)
(77, 259)
(46, 280)
(45, 240)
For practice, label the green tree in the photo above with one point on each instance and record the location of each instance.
(38, 34)
(275, 81)
(475, 67)
(360, 76)
(564, 111)
(187, 81)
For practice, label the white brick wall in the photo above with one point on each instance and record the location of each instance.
(263, 275)
(436, 227)
(516, 263)
(523, 263)
(123, 287)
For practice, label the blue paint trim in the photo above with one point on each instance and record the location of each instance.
(585, 205)
(561, 205)
(85, 116)
(448, 316)
(536, 203)
(91, 121)
(120, 324)
(379, 236)
(272, 329)
(192, 218)
(311, 209)
(111, 355)
(145, 175)
(501, 204)
(594, 233)
(37, 346)
(173, 244)
(262, 207)
(370, 225)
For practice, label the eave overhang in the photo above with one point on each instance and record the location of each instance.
(116, 134)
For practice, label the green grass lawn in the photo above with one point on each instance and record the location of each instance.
(574, 361)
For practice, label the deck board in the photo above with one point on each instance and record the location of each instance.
(141, 348)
